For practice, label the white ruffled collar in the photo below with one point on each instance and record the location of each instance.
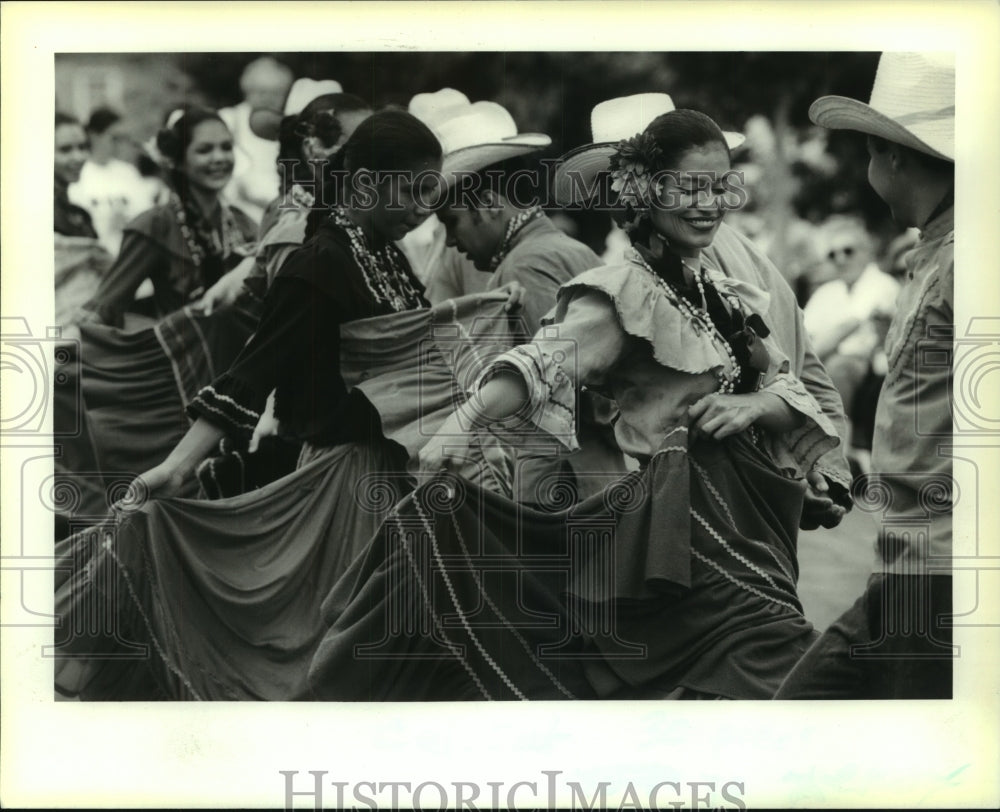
(755, 299)
(645, 311)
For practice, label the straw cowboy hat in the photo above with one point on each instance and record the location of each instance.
(610, 122)
(912, 103)
(266, 123)
(472, 136)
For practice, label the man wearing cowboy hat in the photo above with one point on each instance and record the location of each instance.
(444, 272)
(894, 642)
(577, 181)
(491, 216)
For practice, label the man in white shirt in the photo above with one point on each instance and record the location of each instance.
(110, 189)
(846, 317)
(265, 84)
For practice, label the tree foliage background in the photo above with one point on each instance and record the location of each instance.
(555, 92)
(802, 172)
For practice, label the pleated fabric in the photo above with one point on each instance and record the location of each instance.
(186, 599)
(217, 600)
(679, 576)
(120, 407)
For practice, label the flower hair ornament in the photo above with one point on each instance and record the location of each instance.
(633, 165)
(325, 126)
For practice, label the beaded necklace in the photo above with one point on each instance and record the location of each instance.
(384, 269)
(697, 273)
(700, 316)
(516, 223)
(218, 245)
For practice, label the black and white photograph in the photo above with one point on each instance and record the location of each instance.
(398, 358)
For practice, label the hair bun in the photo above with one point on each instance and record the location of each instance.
(327, 127)
(168, 143)
(291, 127)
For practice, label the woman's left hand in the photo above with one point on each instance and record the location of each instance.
(515, 295)
(718, 416)
(819, 507)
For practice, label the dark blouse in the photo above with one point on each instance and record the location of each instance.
(153, 247)
(69, 219)
(296, 349)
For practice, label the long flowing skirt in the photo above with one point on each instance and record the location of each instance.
(185, 599)
(119, 408)
(679, 579)
(80, 264)
(190, 599)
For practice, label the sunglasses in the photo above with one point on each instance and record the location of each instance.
(847, 251)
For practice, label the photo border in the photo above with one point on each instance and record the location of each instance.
(821, 754)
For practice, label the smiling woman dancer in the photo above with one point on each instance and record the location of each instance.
(187, 244)
(678, 580)
(585, 172)
(134, 385)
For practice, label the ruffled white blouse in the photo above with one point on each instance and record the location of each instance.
(616, 330)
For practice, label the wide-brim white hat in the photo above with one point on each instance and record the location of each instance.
(266, 123)
(612, 121)
(912, 103)
(473, 136)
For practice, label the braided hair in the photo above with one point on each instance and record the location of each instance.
(173, 142)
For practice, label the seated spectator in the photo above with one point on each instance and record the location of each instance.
(845, 317)
(265, 84)
(809, 266)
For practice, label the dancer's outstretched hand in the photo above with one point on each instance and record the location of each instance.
(267, 425)
(156, 483)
